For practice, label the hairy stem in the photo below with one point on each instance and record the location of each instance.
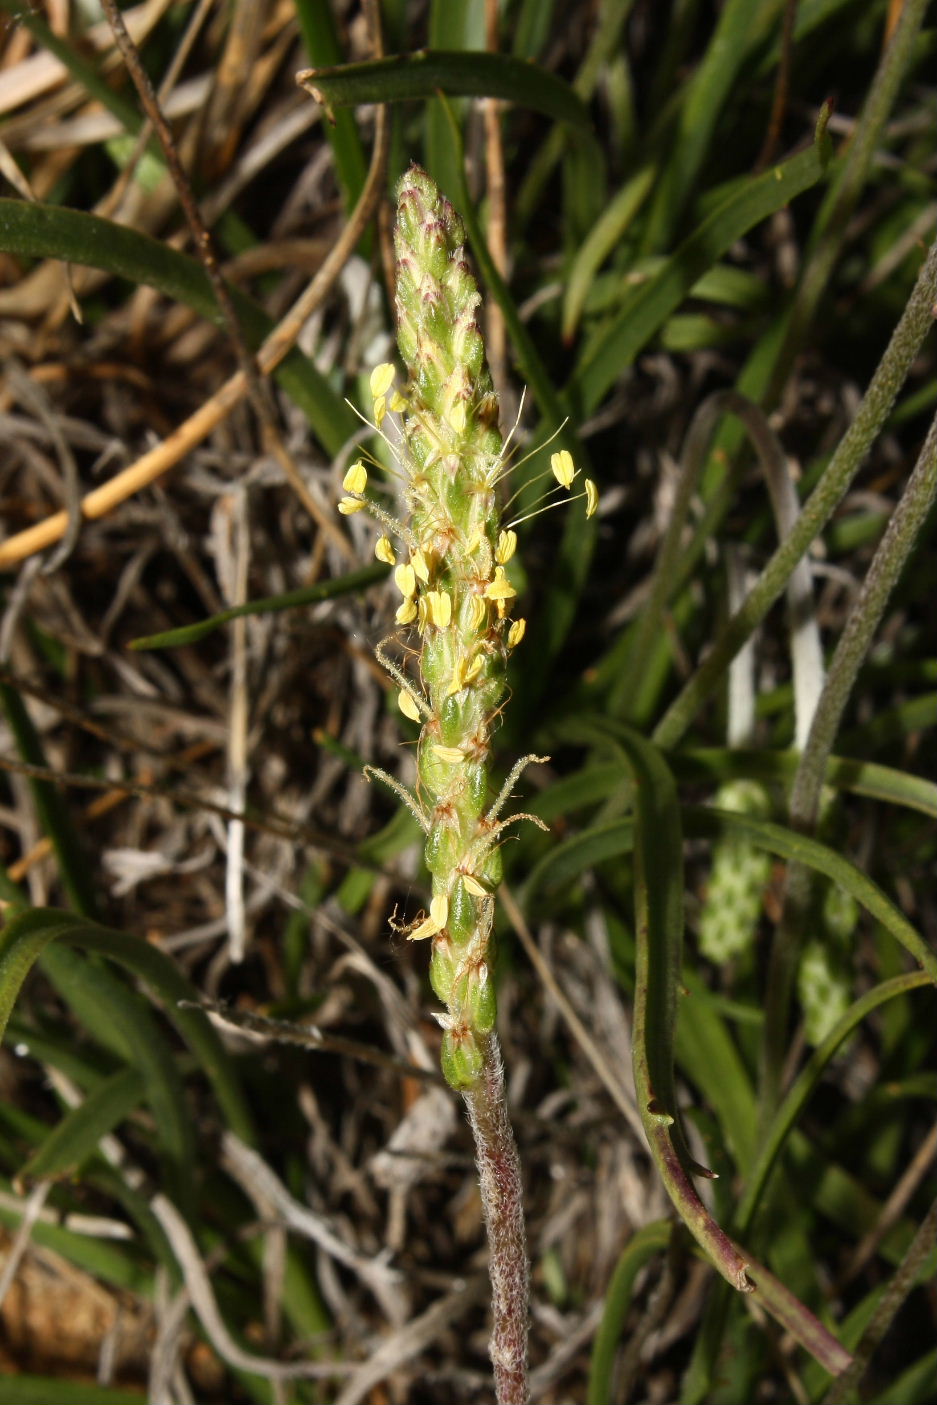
(499, 1173)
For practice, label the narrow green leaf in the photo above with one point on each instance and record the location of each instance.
(740, 26)
(320, 36)
(643, 1245)
(405, 77)
(270, 604)
(567, 860)
(28, 934)
(77, 1135)
(120, 1018)
(108, 1260)
(708, 1056)
(606, 233)
(643, 313)
(56, 1390)
(455, 26)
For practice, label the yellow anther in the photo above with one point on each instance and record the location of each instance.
(474, 668)
(382, 378)
(500, 588)
(356, 479)
(418, 562)
(407, 704)
(475, 888)
(564, 470)
(464, 673)
(398, 402)
(452, 755)
(456, 416)
(380, 409)
(347, 506)
(438, 916)
(592, 498)
(406, 613)
(477, 614)
(384, 551)
(423, 613)
(506, 546)
(439, 605)
(474, 541)
(405, 577)
(516, 633)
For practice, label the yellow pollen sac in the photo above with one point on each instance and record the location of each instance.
(464, 673)
(406, 613)
(450, 754)
(516, 633)
(474, 668)
(423, 611)
(438, 915)
(505, 547)
(500, 588)
(592, 498)
(564, 470)
(474, 541)
(474, 887)
(384, 551)
(381, 379)
(439, 605)
(398, 402)
(380, 409)
(347, 506)
(418, 562)
(405, 577)
(477, 614)
(356, 479)
(456, 416)
(407, 704)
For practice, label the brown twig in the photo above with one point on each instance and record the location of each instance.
(496, 340)
(782, 86)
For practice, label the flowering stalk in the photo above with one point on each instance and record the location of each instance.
(450, 567)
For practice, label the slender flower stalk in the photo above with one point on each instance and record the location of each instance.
(451, 567)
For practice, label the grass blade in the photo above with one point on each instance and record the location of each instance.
(269, 605)
(405, 77)
(76, 1136)
(647, 309)
(27, 935)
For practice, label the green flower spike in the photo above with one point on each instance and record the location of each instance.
(456, 594)
(740, 872)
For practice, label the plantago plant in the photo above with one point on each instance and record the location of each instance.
(451, 561)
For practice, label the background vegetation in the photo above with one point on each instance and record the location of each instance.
(660, 208)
